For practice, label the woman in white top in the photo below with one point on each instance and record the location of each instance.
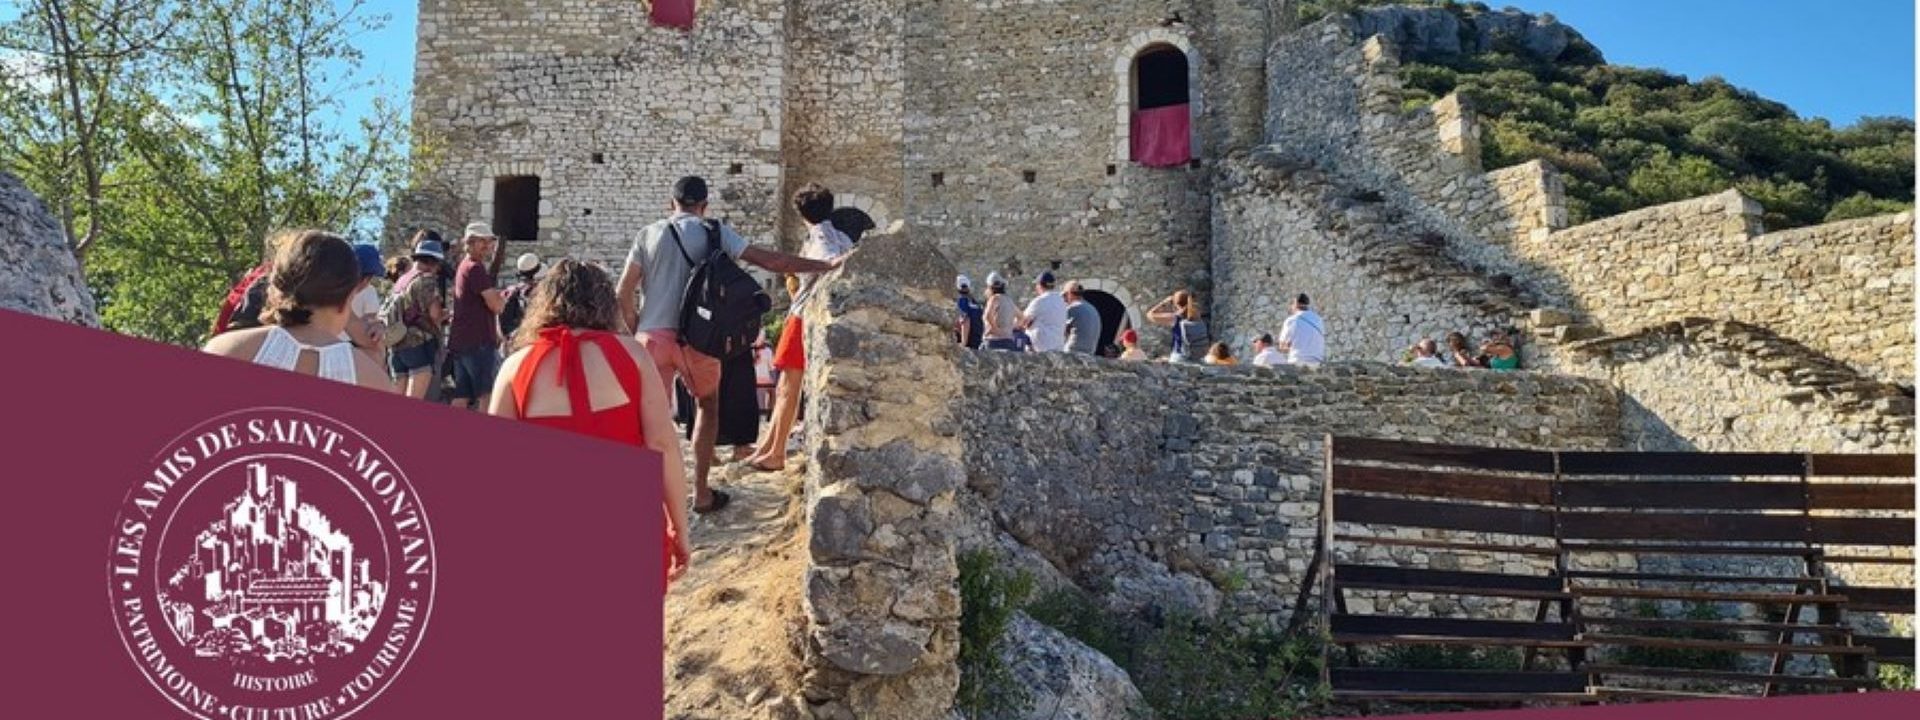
(315, 275)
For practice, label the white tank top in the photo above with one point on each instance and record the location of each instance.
(281, 351)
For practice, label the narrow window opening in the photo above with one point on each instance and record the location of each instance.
(939, 179)
(599, 158)
(516, 207)
(1027, 176)
(736, 169)
(1112, 169)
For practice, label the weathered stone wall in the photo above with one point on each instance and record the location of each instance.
(38, 272)
(1215, 472)
(881, 596)
(1710, 385)
(869, 97)
(1691, 382)
(846, 104)
(606, 109)
(1334, 96)
(998, 90)
(1283, 227)
(1844, 289)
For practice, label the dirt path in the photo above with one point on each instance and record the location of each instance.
(733, 621)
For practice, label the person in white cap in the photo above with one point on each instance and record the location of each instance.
(473, 338)
(526, 269)
(969, 328)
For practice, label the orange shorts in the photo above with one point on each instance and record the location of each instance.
(791, 353)
(699, 371)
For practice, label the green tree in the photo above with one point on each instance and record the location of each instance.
(1666, 178)
(203, 142)
(1861, 205)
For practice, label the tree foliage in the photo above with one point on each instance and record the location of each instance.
(1628, 137)
(173, 136)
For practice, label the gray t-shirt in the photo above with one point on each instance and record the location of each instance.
(664, 271)
(1083, 328)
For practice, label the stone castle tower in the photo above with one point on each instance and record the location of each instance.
(1004, 127)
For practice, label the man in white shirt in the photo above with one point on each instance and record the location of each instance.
(1427, 354)
(1045, 319)
(1264, 353)
(1304, 336)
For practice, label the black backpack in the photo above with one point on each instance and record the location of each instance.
(721, 310)
(514, 310)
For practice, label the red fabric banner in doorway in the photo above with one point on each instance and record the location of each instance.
(1162, 136)
(673, 13)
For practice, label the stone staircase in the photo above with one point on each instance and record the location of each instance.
(1814, 376)
(1396, 248)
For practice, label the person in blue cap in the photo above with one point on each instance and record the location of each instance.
(417, 306)
(363, 311)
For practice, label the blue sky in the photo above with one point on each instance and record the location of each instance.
(1837, 59)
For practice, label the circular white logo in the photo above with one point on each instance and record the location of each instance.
(272, 564)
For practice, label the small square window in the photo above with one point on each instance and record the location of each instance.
(1112, 169)
(736, 169)
(939, 179)
(1027, 176)
(1194, 163)
(586, 211)
(599, 158)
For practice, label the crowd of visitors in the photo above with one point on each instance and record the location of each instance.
(1498, 353)
(1065, 321)
(566, 345)
(570, 347)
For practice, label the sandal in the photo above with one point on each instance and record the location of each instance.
(719, 502)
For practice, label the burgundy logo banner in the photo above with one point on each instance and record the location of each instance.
(195, 537)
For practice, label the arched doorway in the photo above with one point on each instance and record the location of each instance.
(1113, 319)
(1160, 77)
(1157, 99)
(853, 221)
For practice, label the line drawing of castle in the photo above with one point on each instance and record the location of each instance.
(272, 580)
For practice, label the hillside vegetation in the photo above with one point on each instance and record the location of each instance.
(1627, 137)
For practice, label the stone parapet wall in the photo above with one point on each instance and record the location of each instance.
(1216, 472)
(1844, 289)
(881, 596)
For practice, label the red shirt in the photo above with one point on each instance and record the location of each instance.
(473, 322)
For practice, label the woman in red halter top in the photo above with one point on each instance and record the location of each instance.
(572, 370)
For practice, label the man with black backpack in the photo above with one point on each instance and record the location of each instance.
(689, 304)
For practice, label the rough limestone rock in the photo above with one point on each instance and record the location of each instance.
(1065, 679)
(1430, 31)
(38, 274)
(1144, 585)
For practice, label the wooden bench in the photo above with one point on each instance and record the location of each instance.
(1560, 514)
(1875, 494)
(1662, 509)
(1384, 498)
